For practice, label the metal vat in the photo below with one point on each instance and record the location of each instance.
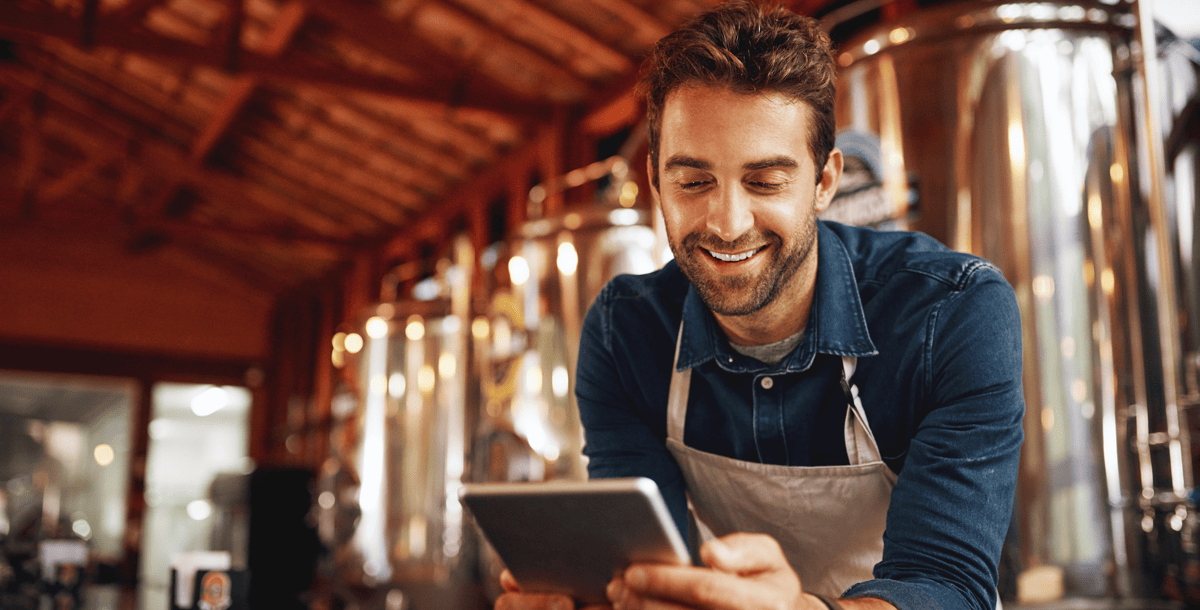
(1019, 128)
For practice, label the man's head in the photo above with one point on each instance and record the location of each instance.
(748, 49)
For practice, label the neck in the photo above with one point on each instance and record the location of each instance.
(782, 317)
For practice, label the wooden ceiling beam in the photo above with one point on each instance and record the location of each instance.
(291, 18)
(494, 37)
(605, 54)
(456, 205)
(70, 181)
(20, 25)
(356, 157)
(362, 23)
(229, 37)
(632, 14)
(87, 22)
(314, 178)
(165, 159)
(32, 150)
(649, 28)
(226, 113)
(342, 113)
(134, 10)
(239, 93)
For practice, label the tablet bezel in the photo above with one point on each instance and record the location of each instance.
(572, 537)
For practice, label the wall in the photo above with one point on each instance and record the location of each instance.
(97, 293)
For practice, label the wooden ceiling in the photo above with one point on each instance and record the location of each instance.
(266, 142)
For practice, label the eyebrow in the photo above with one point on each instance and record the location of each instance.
(780, 162)
(678, 161)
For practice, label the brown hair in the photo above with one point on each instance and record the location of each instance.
(748, 48)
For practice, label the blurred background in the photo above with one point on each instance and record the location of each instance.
(278, 276)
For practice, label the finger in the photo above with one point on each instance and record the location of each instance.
(681, 584)
(699, 587)
(508, 583)
(624, 598)
(529, 601)
(744, 554)
(653, 604)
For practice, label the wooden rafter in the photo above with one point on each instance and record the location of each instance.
(164, 159)
(436, 129)
(362, 23)
(649, 27)
(88, 21)
(32, 148)
(276, 42)
(239, 93)
(134, 10)
(66, 184)
(330, 186)
(429, 156)
(493, 38)
(632, 14)
(20, 25)
(603, 53)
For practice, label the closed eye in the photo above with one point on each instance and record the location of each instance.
(767, 186)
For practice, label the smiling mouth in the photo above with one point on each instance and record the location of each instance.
(733, 258)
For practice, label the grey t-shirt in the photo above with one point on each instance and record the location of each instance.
(770, 353)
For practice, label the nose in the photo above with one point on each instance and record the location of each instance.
(729, 213)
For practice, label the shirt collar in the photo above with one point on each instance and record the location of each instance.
(836, 324)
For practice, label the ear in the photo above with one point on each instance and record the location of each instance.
(831, 174)
(654, 195)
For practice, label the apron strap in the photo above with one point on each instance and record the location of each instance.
(681, 383)
(861, 447)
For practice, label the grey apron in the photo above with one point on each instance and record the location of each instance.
(828, 519)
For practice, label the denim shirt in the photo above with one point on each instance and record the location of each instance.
(937, 334)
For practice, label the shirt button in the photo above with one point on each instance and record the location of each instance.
(767, 382)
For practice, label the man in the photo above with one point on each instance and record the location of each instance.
(801, 385)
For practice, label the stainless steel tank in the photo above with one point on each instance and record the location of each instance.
(543, 279)
(1017, 130)
(541, 282)
(387, 503)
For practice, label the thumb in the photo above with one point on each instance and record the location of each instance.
(744, 554)
(508, 583)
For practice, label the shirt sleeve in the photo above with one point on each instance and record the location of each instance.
(622, 436)
(952, 504)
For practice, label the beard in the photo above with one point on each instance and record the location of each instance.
(747, 293)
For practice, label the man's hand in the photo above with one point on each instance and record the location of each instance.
(514, 599)
(745, 572)
(748, 571)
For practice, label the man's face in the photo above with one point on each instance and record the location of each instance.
(739, 193)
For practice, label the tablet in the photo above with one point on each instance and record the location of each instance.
(572, 537)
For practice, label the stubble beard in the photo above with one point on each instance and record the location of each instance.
(745, 294)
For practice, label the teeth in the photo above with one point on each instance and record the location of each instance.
(733, 258)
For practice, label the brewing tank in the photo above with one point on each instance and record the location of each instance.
(1017, 131)
(387, 500)
(543, 279)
